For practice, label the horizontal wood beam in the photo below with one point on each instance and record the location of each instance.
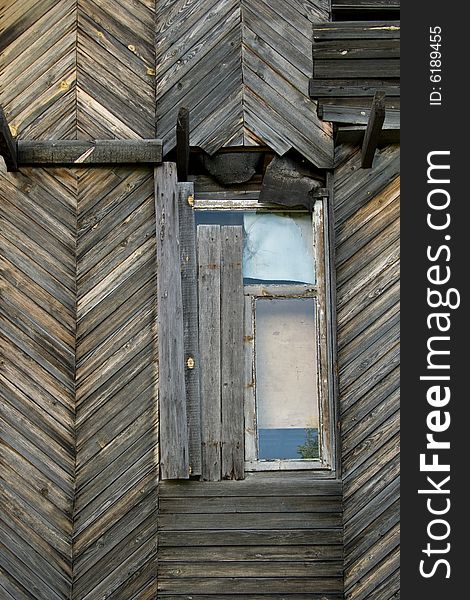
(339, 88)
(81, 152)
(356, 116)
(374, 127)
(7, 144)
(349, 30)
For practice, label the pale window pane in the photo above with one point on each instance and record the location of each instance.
(286, 378)
(278, 247)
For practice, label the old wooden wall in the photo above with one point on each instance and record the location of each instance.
(78, 367)
(367, 254)
(264, 537)
(242, 67)
(78, 371)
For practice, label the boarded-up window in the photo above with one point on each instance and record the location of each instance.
(282, 388)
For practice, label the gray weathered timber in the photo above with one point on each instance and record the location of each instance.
(182, 144)
(187, 231)
(354, 115)
(209, 256)
(232, 359)
(373, 129)
(358, 48)
(366, 211)
(37, 445)
(116, 424)
(363, 5)
(338, 88)
(286, 531)
(85, 153)
(174, 459)
(368, 68)
(351, 30)
(223, 61)
(8, 147)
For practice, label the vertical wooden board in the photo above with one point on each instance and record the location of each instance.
(174, 459)
(232, 359)
(187, 231)
(209, 251)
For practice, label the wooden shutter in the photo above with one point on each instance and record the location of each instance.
(174, 452)
(187, 235)
(221, 348)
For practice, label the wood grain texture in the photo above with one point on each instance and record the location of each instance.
(227, 62)
(209, 259)
(232, 369)
(37, 368)
(174, 441)
(367, 243)
(265, 544)
(39, 39)
(115, 93)
(116, 377)
(189, 293)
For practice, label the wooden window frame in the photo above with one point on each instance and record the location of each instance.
(325, 465)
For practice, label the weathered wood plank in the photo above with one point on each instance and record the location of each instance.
(274, 552)
(232, 363)
(255, 537)
(357, 116)
(354, 134)
(8, 147)
(273, 596)
(250, 585)
(349, 5)
(187, 232)
(255, 504)
(182, 144)
(97, 152)
(359, 48)
(374, 127)
(250, 521)
(369, 68)
(174, 459)
(253, 485)
(245, 569)
(209, 257)
(351, 30)
(321, 88)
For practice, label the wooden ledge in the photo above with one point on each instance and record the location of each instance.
(75, 153)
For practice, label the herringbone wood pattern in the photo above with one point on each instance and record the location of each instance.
(242, 68)
(78, 366)
(37, 337)
(114, 539)
(367, 235)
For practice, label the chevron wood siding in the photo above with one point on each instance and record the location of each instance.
(367, 237)
(250, 539)
(115, 69)
(242, 68)
(37, 347)
(114, 539)
(38, 67)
